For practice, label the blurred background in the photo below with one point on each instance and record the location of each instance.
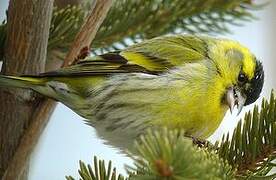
(66, 140)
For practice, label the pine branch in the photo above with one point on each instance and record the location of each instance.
(131, 21)
(88, 30)
(100, 172)
(252, 147)
(168, 154)
(65, 24)
(164, 154)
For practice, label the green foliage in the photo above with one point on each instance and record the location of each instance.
(65, 24)
(252, 147)
(170, 155)
(138, 20)
(98, 173)
(130, 21)
(164, 155)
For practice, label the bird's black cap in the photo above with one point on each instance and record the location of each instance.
(256, 84)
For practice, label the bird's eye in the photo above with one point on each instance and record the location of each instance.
(242, 78)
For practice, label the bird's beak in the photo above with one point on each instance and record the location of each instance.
(234, 97)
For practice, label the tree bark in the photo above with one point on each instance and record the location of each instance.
(26, 46)
(23, 113)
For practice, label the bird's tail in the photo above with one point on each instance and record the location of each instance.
(20, 82)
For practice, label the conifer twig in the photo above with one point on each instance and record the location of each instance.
(88, 30)
(252, 147)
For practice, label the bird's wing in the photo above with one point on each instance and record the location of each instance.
(153, 56)
(165, 52)
(106, 64)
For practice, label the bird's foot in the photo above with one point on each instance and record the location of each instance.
(202, 143)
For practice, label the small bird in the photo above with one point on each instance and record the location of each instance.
(180, 81)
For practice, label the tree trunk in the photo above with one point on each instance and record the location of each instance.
(23, 113)
(26, 46)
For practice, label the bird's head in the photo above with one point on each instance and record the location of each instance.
(242, 73)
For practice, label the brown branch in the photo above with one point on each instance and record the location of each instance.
(29, 140)
(32, 112)
(25, 53)
(252, 165)
(88, 30)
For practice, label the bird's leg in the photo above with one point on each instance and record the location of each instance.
(202, 143)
